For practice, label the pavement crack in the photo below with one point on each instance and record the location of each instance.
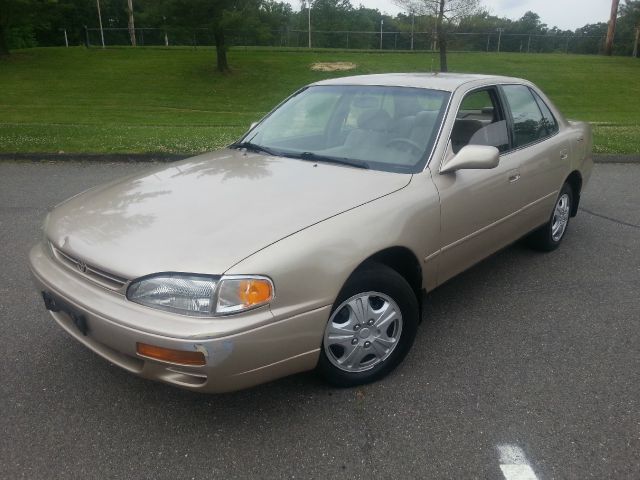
(611, 219)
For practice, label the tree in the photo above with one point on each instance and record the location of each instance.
(13, 13)
(447, 13)
(217, 15)
(629, 27)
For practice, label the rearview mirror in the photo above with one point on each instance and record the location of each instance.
(473, 157)
(253, 124)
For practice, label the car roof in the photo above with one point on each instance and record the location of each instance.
(436, 81)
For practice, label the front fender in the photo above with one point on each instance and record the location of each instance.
(310, 267)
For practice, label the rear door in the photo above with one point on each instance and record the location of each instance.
(541, 149)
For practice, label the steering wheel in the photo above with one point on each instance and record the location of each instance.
(405, 141)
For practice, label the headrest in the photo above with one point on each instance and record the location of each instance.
(468, 127)
(406, 105)
(377, 120)
(426, 117)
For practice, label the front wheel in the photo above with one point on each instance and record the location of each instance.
(371, 328)
(549, 236)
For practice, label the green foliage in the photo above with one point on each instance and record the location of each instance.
(277, 23)
(21, 37)
(628, 21)
(172, 100)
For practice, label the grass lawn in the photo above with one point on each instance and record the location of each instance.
(129, 100)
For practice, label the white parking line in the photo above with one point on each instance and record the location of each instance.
(514, 464)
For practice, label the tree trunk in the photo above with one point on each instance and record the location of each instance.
(4, 47)
(221, 51)
(442, 39)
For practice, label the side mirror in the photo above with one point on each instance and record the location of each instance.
(253, 124)
(473, 157)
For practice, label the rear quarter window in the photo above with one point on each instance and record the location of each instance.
(550, 122)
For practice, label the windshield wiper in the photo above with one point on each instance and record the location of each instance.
(254, 147)
(328, 159)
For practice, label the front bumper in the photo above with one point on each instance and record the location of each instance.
(240, 352)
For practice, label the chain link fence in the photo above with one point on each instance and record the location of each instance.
(365, 40)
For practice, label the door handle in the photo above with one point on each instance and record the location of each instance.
(514, 178)
(564, 155)
(580, 139)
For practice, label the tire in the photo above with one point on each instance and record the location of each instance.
(548, 237)
(355, 352)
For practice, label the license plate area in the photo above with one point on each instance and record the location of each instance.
(54, 303)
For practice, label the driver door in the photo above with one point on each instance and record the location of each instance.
(477, 207)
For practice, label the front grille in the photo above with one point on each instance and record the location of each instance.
(97, 275)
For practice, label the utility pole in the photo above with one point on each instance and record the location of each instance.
(499, 30)
(309, 18)
(413, 17)
(381, 23)
(132, 27)
(611, 31)
(100, 21)
(164, 26)
(434, 40)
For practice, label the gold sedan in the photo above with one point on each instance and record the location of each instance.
(308, 243)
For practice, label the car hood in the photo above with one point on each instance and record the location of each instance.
(205, 214)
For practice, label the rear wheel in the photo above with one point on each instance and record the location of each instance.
(549, 236)
(371, 328)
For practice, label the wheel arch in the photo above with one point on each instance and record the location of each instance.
(575, 182)
(404, 261)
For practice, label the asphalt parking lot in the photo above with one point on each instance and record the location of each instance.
(537, 354)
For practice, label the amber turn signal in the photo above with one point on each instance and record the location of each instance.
(182, 357)
(254, 291)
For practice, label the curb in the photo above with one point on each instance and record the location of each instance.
(172, 157)
(612, 158)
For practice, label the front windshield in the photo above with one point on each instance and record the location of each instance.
(384, 128)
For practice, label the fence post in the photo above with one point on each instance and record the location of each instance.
(347, 40)
(488, 41)
(86, 37)
(66, 39)
(529, 44)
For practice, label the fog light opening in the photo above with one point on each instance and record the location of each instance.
(180, 357)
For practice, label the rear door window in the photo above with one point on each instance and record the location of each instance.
(528, 124)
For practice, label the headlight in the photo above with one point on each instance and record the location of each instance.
(202, 296)
(186, 294)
